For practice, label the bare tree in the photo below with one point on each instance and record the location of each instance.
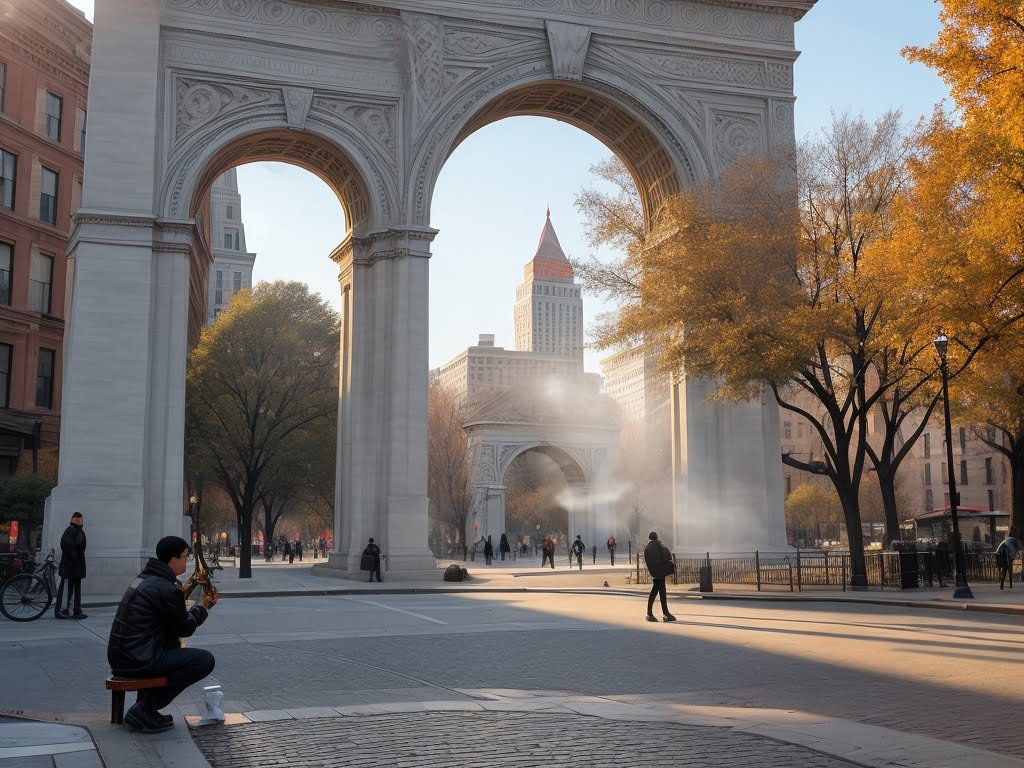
(448, 462)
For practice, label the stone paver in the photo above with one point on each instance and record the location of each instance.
(470, 739)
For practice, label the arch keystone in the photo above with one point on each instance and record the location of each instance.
(569, 44)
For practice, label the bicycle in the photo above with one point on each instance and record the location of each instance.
(25, 595)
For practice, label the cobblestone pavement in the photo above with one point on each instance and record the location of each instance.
(467, 740)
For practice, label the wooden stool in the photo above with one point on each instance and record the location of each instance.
(118, 686)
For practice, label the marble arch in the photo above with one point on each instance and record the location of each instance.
(373, 96)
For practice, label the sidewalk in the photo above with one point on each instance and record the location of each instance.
(28, 744)
(281, 580)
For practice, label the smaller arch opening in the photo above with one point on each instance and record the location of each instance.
(539, 484)
(633, 142)
(303, 149)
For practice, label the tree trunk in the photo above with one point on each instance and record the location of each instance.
(245, 545)
(855, 535)
(887, 485)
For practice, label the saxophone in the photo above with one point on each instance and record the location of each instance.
(201, 577)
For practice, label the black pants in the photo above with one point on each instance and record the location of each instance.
(74, 596)
(611, 554)
(182, 667)
(579, 560)
(547, 557)
(375, 570)
(1005, 570)
(657, 588)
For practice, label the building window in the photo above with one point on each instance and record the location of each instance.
(963, 472)
(48, 194)
(945, 474)
(44, 378)
(8, 176)
(5, 374)
(788, 429)
(231, 239)
(990, 434)
(990, 477)
(40, 282)
(929, 500)
(6, 256)
(218, 293)
(991, 500)
(231, 213)
(82, 115)
(963, 439)
(236, 282)
(945, 499)
(3, 84)
(54, 105)
(927, 446)
(927, 474)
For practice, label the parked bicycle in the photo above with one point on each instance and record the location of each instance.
(26, 591)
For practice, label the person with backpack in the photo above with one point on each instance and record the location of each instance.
(611, 548)
(370, 560)
(1006, 553)
(488, 551)
(504, 547)
(577, 550)
(660, 565)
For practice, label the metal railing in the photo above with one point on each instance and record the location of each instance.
(823, 569)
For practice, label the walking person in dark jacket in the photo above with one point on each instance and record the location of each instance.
(1006, 552)
(145, 636)
(371, 560)
(577, 550)
(488, 551)
(503, 546)
(659, 562)
(71, 570)
(611, 548)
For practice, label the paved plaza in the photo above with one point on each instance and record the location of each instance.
(550, 678)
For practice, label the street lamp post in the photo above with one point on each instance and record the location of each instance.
(962, 590)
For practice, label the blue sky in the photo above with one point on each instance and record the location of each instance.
(490, 199)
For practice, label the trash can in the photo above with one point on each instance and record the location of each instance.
(907, 551)
(704, 576)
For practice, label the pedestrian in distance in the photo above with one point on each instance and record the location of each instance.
(289, 552)
(144, 638)
(660, 565)
(578, 547)
(1006, 552)
(298, 549)
(611, 549)
(488, 551)
(548, 552)
(371, 560)
(71, 570)
(504, 547)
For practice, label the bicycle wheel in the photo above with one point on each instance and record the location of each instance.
(24, 597)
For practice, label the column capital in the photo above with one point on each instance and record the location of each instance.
(386, 243)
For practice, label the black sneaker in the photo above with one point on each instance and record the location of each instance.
(652, 617)
(79, 616)
(139, 719)
(164, 719)
(61, 615)
(669, 617)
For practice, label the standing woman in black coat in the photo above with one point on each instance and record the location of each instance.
(72, 569)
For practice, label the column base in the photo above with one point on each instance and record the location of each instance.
(404, 567)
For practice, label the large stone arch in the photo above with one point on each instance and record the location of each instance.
(373, 98)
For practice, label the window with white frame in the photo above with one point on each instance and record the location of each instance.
(48, 183)
(8, 177)
(54, 107)
(6, 259)
(40, 282)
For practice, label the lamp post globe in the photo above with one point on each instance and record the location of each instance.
(962, 591)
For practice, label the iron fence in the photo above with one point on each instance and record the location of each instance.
(804, 569)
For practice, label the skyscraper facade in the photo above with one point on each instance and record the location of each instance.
(549, 302)
(231, 270)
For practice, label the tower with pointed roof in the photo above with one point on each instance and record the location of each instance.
(549, 303)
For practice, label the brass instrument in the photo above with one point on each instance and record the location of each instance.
(201, 577)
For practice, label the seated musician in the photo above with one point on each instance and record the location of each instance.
(144, 639)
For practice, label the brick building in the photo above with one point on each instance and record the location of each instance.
(44, 74)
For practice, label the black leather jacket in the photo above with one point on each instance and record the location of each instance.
(657, 558)
(149, 621)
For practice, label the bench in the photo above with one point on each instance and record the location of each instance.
(118, 686)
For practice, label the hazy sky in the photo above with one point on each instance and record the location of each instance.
(490, 200)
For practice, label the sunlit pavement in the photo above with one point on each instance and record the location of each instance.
(332, 674)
